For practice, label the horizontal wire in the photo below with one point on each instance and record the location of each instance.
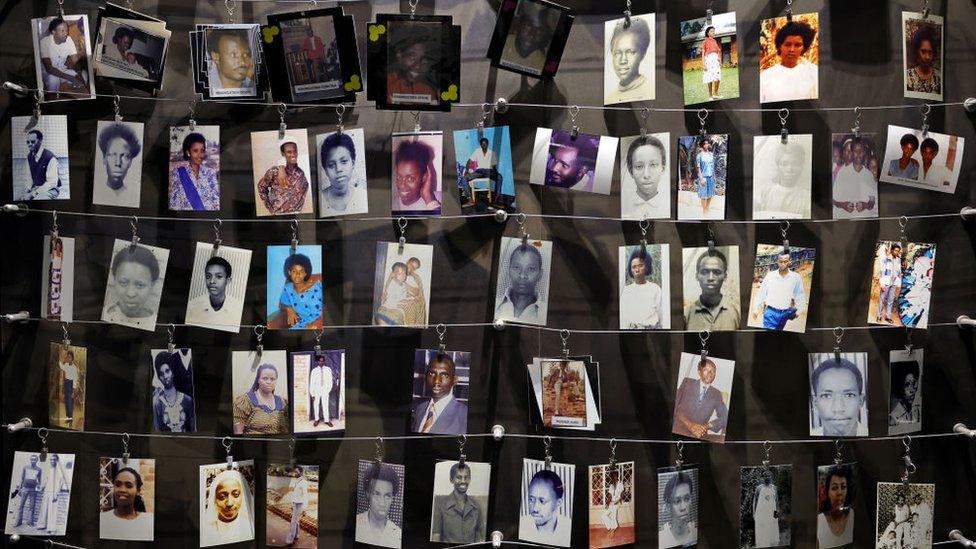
(51, 543)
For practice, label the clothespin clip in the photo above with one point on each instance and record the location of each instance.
(441, 330)
(402, 241)
(42, 434)
(340, 111)
(908, 339)
(54, 226)
(416, 122)
(838, 335)
(191, 121)
(784, 133)
(838, 457)
(218, 223)
(789, 10)
(227, 442)
(259, 332)
(294, 236)
(902, 225)
(564, 338)
(413, 8)
(925, 9)
(486, 109)
(171, 345)
(679, 460)
(125, 448)
(711, 238)
(644, 224)
(134, 222)
(461, 456)
(547, 441)
(573, 114)
(910, 468)
(229, 6)
(703, 337)
(36, 115)
(118, 111)
(282, 127)
(520, 219)
(784, 227)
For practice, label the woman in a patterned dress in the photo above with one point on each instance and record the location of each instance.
(260, 410)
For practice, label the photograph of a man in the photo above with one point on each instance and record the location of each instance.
(711, 282)
(523, 281)
(320, 384)
(230, 69)
(701, 406)
(460, 500)
(572, 162)
(838, 395)
(529, 37)
(438, 410)
(781, 287)
(381, 501)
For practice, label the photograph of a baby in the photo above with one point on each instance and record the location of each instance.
(401, 295)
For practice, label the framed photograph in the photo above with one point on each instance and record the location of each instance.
(485, 178)
(126, 498)
(130, 48)
(295, 288)
(782, 175)
(318, 389)
(173, 397)
(416, 161)
(930, 161)
(135, 285)
(612, 520)
(522, 290)
(291, 515)
(838, 395)
(194, 168)
(260, 392)
(677, 497)
(905, 515)
(58, 278)
(644, 280)
(703, 164)
(710, 58)
(67, 392)
(644, 176)
(39, 157)
(922, 51)
(530, 36)
(628, 72)
(459, 513)
(226, 503)
(854, 173)
(901, 284)
(781, 282)
(342, 173)
(281, 172)
(789, 58)
(62, 57)
(217, 287)
(581, 163)
(379, 490)
(710, 281)
(118, 164)
(765, 506)
(905, 394)
(547, 494)
(229, 61)
(836, 492)
(40, 490)
(704, 391)
(440, 392)
(401, 286)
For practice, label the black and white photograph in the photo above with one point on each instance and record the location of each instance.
(67, 392)
(341, 160)
(292, 506)
(58, 278)
(379, 503)
(581, 163)
(836, 491)
(789, 58)
(612, 520)
(644, 279)
(318, 390)
(260, 392)
(854, 173)
(710, 282)
(218, 284)
(135, 285)
(440, 392)
(703, 166)
(459, 513)
(923, 55)
(281, 172)
(39, 157)
(925, 160)
(530, 36)
(838, 394)
(130, 49)
(62, 57)
(782, 176)
(230, 60)
(628, 69)
(781, 283)
(765, 506)
(522, 290)
(416, 179)
(677, 516)
(194, 168)
(226, 503)
(703, 397)
(118, 164)
(126, 498)
(546, 498)
(905, 393)
(645, 176)
(905, 515)
(40, 489)
(173, 397)
(401, 285)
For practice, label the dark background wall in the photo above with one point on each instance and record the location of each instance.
(860, 65)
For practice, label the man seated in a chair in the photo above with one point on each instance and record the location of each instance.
(482, 169)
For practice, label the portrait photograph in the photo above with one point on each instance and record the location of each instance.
(229, 59)
(563, 393)
(782, 175)
(838, 395)
(644, 280)
(40, 489)
(67, 391)
(709, 58)
(485, 178)
(923, 54)
(930, 161)
(126, 498)
(401, 285)
(291, 517)
(62, 57)
(677, 497)
(905, 391)
(260, 392)
(584, 163)
(710, 282)
(318, 389)
(440, 392)
(836, 491)
(905, 515)
(789, 58)
(226, 503)
(281, 172)
(379, 503)
(130, 49)
(854, 175)
(628, 50)
(765, 506)
(58, 278)
(901, 284)
(546, 496)
(459, 513)
(645, 176)
(703, 163)
(522, 290)
(194, 168)
(342, 173)
(39, 157)
(416, 161)
(612, 520)
(218, 285)
(530, 36)
(296, 290)
(781, 283)
(118, 164)
(173, 399)
(703, 396)
(135, 285)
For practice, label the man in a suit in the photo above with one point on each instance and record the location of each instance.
(696, 402)
(442, 414)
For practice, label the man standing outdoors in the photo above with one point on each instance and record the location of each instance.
(298, 497)
(29, 491)
(712, 311)
(889, 282)
(457, 518)
(442, 413)
(44, 167)
(319, 386)
(781, 296)
(697, 401)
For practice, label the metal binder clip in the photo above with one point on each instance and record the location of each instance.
(789, 10)
(703, 337)
(910, 468)
(402, 224)
(838, 335)
(229, 6)
(228, 442)
(784, 133)
(925, 9)
(710, 242)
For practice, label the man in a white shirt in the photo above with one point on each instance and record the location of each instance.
(319, 386)
(838, 397)
(59, 57)
(933, 174)
(521, 301)
(374, 526)
(216, 308)
(43, 167)
(298, 497)
(855, 187)
(924, 521)
(442, 413)
(781, 295)
(481, 169)
(793, 78)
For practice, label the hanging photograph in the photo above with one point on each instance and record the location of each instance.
(628, 69)
(547, 502)
(62, 57)
(581, 163)
(838, 395)
(644, 280)
(135, 285)
(645, 191)
(39, 157)
(318, 389)
(926, 160)
(440, 392)
(781, 282)
(126, 498)
(703, 163)
(485, 178)
(281, 172)
(522, 290)
(922, 52)
(194, 168)
(173, 398)
(342, 173)
(459, 513)
(67, 392)
(401, 285)
(295, 289)
(782, 176)
(118, 164)
(704, 391)
(612, 520)
(789, 58)
(379, 503)
(765, 506)
(905, 514)
(58, 278)
(226, 503)
(217, 287)
(677, 496)
(836, 490)
(291, 517)
(227, 60)
(710, 279)
(854, 173)
(40, 489)
(901, 284)
(416, 161)
(710, 58)
(530, 36)
(260, 392)
(130, 49)
(905, 395)
(563, 393)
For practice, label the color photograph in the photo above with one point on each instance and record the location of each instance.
(413, 62)
(838, 395)
(194, 168)
(342, 173)
(296, 291)
(645, 188)
(485, 178)
(401, 285)
(901, 284)
(702, 176)
(417, 160)
(781, 283)
(765, 506)
(789, 58)
(318, 391)
(260, 392)
(528, 43)
(135, 285)
(854, 173)
(710, 281)
(547, 494)
(440, 392)
(702, 398)
(173, 398)
(677, 496)
(925, 160)
(379, 503)
(291, 517)
(522, 290)
(612, 520)
(311, 57)
(923, 53)
(67, 392)
(118, 164)
(218, 285)
(231, 56)
(644, 280)
(58, 278)
(563, 393)
(126, 498)
(581, 163)
(836, 491)
(281, 172)
(782, 175)
(710, 58)
(62, 57)
(628, 72)
(39, 157)
(40, 490)
(226, 503)
(459, 513)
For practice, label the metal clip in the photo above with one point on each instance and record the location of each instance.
(486, 109)
(318, 339)
(838, 335)
(926, 109)
(218, 223)
(702, 116)
(462, 439)
(54, 225)
(340, 111)
(118, 111)
(291, 453)
(645, 114)
(838, 457)
(520, 220)
(380, 450)
(564, 338)
(613, 452)
(413, 7)
(294, 236)
(547, 442)
(710, 241)
(229, 6)
(925, 9)
(282, 127)
(61, 8)
(703, 337)
(784, 133)
(644, 224)
(767, 447)
(789, 10)
(42, 434)
(36, 117)
(573, 114)
(416, 121)
(171, 345)
(192, 121)
(134, 222)
(910, 468)
(908, 339)
(66, 341)
(784, 226)
(627, 15)
(902, 223)
(856, 130)
(402, 224)
(259, 332)
(125, 448)
(228, 442)
(441, 330)
(680, 458)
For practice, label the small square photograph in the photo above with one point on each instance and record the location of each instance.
(417, 157)
(379, 503)
(930, 161)
(905, 515)
(118, 164)
(612, 520)
(704, 391)
(226, 503)
(281, 170)
(173, 399)
(581, 163)
(522, 290)
(130, 49)
(921, 38)
(135, 285)
(126, 498)
(547, 494)
(67, 392)
(782, 176)
(58, 278)
(677, 496)
(905, 393)
(413, 62)
(440, 392)
(318, 389)
(645, 191)
(781, 283)
(229, 60)
(311, 55)
(291, 517)
(40, 489)
(217, 287)
(765, 506)
(530, 36)
(838, 395)
(485, 178)
(459, 513)
(296, 291)
(854, 172)
(836, 490)
(628, 69)
(39, 157)
(563, 393)
(62, 57)
(789, 58)
(710, 281)
(194, 168)
(342, 173)
(645, 286)
(710, 58)
(260, 392)
(703, 163)
(401, 286)
(901, 284)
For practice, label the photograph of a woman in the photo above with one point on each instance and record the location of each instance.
(922, 43)
(226, 503)
(296, 301)
(172, 391)
(194, 168)
(342, 173)
(67, 365)
(282, 189)
(401, 295)
(628, 73)
(678, 518)
(782, 177)
(261, 405)
(416, 180)
(710, 58)
(905, 399)
(217, 287)
(644, 189)
(764, 507)
(644, 287)
(118, 161)
(126, 494)
(835, 501)
(135, 284)
(789, 57)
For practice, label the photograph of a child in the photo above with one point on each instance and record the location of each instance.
(904, 515)
(401, 286)
(296, 291)
(135, 285)
(485, 178)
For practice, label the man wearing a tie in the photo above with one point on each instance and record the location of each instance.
(441, 414)
(698, 403)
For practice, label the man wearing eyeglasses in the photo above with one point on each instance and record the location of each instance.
(442, 414)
